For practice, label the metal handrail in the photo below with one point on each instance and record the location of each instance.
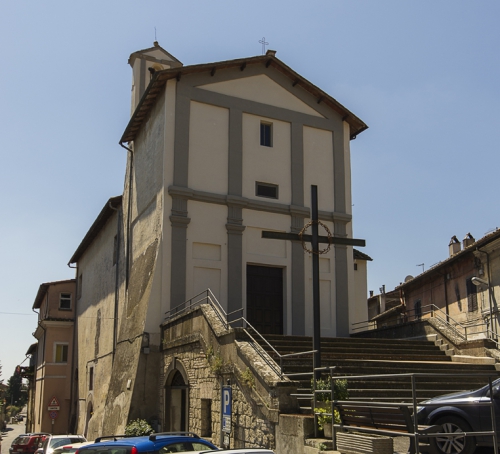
(207, 296)
(460, 330)
(413, 404)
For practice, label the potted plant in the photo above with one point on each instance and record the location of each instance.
(323, 402)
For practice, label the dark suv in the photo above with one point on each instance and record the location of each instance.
(27, 443)
(159, 443)
(468, 411)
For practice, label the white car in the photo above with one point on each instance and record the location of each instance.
(71, 448)
(56, 441)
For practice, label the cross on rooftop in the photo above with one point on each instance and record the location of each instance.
(264, 44)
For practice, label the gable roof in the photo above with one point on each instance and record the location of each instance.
(109, 208)
(160, 78)
(459, 255)
(42, 291)
(358, 255)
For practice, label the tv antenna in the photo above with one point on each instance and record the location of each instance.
(422, 265)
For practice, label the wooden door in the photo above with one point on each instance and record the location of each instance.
(265, 298)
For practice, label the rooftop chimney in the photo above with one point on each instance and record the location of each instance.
(454, 245)
(468, 240)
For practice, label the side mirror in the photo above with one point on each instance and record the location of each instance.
(496, 392)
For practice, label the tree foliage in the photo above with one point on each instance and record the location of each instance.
(15, 393)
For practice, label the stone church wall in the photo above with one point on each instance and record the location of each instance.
(198, 346)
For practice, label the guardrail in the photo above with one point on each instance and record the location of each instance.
(414, 405)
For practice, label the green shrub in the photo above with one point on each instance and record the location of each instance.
(137, 428)
(324, 419)
(340, 389)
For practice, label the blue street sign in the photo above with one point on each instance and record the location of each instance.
(227, 400)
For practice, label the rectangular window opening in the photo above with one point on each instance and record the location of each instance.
(206, 417)
(266, 190)
(61, 353)
(471, 295)
(266, 134)
(91, 379)
(65, 301)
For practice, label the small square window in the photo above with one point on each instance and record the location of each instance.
(266, 190)
(65, 301)
(266, 134)
(61, 353)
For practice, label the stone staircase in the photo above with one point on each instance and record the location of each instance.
(359, 356)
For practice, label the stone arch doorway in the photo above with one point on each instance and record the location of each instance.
(90, 412)
(176, 398)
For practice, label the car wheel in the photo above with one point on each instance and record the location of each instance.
(452, 445)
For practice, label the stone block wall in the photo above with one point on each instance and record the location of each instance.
(206, 373)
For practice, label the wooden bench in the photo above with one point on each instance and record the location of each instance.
(381, 418)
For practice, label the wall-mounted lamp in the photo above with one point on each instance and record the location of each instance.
(478, 281)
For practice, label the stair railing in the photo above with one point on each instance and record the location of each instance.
(460, 330)
(207, 297)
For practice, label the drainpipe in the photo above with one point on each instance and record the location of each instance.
(117, 278)
(74, 355)
(490, 296)
(129, 213)
(43, 359)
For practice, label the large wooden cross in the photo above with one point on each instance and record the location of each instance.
(315, 240)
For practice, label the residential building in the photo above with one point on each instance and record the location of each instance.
(217, 153)
(461, 291)
(55, 302)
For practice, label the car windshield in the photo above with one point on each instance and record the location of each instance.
(24, 441)
(16, 440)
(107, 450)
(56, 442)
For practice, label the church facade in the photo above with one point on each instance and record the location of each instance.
(217, 153)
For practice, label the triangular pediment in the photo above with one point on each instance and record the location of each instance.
(262, 89)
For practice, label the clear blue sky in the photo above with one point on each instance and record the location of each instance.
(423, 75)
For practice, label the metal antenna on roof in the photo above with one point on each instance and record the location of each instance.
(155, 35)
(264, 44)
(422, 265)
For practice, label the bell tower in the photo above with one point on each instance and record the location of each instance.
(144, 64)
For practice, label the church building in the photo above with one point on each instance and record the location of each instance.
(217, 153)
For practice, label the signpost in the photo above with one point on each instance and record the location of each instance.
(53, 409)
(226, 407)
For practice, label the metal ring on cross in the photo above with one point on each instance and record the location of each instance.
(328, 234)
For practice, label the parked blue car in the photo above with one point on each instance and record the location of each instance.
(460, 412)
(159, 443)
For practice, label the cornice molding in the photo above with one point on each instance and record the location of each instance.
(256, 205)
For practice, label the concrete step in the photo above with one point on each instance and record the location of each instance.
(473, 359)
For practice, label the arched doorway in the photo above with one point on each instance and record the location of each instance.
(90, 411)
(176, 399)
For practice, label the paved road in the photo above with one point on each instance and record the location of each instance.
(12, 431)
